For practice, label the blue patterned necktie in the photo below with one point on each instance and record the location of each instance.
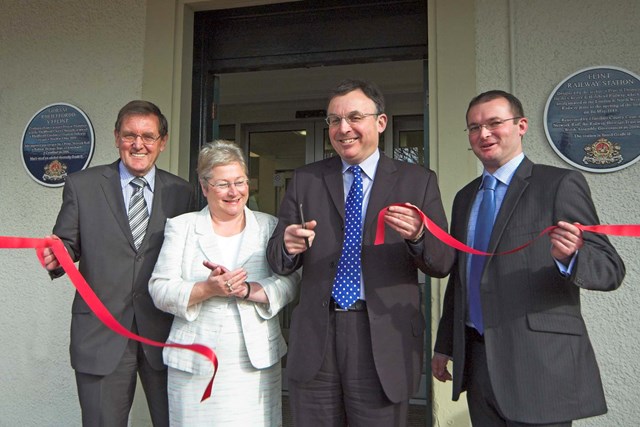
(484, 226)
(346, 286)
(138, 212)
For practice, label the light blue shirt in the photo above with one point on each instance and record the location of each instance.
(127, 189)
(504, 175)
(369, 167)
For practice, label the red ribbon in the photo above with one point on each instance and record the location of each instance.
(628, 230)
(94, 302)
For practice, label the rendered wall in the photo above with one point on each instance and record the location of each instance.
(528, 47)
(91, 54)
(87, 53)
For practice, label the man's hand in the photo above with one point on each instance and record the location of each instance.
(294, 237)
(439, 367)
(565, 241)
(50, 261)
(405, 220)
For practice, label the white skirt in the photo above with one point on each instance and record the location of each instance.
(242, 395)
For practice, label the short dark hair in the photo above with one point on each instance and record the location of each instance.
(516, 105)
(370, 89)
(142, 108)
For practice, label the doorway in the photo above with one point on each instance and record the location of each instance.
(259, 83)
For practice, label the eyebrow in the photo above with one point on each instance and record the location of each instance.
(349, 113)
(488, 120)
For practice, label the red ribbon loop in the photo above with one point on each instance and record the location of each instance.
(626, 230)
(94, 303)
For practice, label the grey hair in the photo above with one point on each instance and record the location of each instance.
(218, 153)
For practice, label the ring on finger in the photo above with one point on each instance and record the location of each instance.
(229, 285)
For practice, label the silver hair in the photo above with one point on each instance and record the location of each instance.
(218, 153)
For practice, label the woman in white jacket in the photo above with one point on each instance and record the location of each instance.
(212, 275)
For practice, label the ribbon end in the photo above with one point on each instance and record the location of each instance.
(207, 392)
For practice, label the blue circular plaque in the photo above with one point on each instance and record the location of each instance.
(592, 119)
(58, 140)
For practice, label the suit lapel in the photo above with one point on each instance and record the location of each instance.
(517, 187)
(250, 239)
(383, 184)
(112, 191)
(333, 182)
(157, 220)
(205, 238)
(462, 224)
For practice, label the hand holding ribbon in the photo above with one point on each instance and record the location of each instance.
(625, 230)
(92, 300)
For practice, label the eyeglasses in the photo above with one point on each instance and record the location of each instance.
(225, 185)
(492, 125)
(352, 118)
(130, 138)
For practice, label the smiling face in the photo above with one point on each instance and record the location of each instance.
(356, 141)
(138, 157)
(226, 203)
(496, 147)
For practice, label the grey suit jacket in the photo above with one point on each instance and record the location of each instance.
(541, 363)
(94, 228)
(390, 271)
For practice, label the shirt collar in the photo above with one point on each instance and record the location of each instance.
(126, 177)
(368, 166)
(504, 173)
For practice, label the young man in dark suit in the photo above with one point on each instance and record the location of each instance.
(513, 328)
(357, 362)
(116, 257)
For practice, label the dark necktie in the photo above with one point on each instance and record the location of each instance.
(484, 226)
(138, 213)
(346, 286)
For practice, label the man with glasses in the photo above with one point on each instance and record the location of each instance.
(356, 337)
(512, 323)
(112, 221)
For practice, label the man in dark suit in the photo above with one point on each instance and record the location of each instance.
(521, 348)
(358, 363)
(94, 226)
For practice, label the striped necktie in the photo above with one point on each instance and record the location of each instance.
(138, 213)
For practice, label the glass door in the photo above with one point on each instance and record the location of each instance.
(275, 150)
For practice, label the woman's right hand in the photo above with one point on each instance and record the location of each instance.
(222, 282)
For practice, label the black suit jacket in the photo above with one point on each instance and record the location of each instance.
(390, 271)
(541, 363)
(94, 228)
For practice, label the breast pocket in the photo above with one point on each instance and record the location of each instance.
(556, 323)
